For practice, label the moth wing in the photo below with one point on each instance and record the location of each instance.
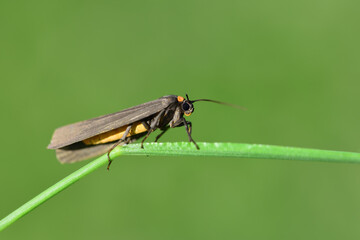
(70, 154)
(79, 151)
(76, 132)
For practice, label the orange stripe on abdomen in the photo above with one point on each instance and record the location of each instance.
(115, 134)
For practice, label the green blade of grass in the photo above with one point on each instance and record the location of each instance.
(52, 191)
(185, 149)
(240, 150)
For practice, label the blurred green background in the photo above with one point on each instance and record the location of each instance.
(293, 64)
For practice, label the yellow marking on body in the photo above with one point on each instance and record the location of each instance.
(115, 134)
(180, 98)
(187, 114)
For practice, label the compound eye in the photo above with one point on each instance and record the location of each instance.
(185, 106)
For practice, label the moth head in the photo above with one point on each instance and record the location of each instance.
(186, 105)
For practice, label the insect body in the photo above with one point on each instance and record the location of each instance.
(89, 138)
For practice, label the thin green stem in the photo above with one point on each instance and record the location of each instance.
(185, 149)
(52, 191)
(240, 150)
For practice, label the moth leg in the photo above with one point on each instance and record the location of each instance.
(122, 139)
(146, 136)
(189, 127)
(145, 125)
(162, 133)
(153, 126)
(188, 130)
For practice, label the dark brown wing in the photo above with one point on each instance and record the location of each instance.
(73, 153)
(79, 151)
(76, 132)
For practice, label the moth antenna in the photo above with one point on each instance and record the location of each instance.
(222, 103)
